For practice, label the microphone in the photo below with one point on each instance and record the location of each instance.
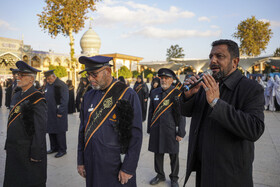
(190, 86)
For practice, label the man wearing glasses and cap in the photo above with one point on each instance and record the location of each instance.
(110, 134)
(166, 126)
(26, 162)
(57, 96)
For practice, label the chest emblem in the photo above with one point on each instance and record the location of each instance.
(108, 102)
(17, 109)
(166, 102)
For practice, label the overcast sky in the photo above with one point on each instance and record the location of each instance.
(146, 28)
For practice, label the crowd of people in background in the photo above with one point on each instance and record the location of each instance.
(271, 85)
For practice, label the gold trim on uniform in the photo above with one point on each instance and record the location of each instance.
(166, 102)
(17, 109)
(108, 102)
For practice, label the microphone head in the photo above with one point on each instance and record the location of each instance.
(209, 72)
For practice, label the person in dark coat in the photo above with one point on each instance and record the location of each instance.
(71, 103)
(1, 94)
(155, 84)
(57, 96)
(227, 118)
(9, 90)
(83, 88)
(26, 161)
(110, 134)
(166, 126)
(121, 78)
(143, 93)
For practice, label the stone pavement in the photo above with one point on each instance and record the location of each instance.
(62, 171)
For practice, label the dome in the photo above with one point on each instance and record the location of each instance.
(90, 43)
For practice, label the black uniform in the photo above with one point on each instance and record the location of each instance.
(25, 141)
(57, 96)
(143, 93)
(163, 132)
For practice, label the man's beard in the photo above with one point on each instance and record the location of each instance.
(97, 87)
(217, 75)
(164, 86)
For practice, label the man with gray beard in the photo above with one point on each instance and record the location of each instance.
(110, 134)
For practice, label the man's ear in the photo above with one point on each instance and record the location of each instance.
(235, 62)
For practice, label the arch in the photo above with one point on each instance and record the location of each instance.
(66, 63)
(25, 58)
(46, 62)
(57, 62)
(35, 61)
(8, 60)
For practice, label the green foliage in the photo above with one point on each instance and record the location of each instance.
(175, 52)
(125, 72)
(277, 52)
(62, 16)
(135, 74)
(150, 76)
(114, 74)
(59, 71)
(147, 72)
(254, 36)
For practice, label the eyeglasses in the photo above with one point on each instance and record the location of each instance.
(20, 75)
(93, 75)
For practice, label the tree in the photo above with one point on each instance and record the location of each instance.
(135, 74)
(277, 52)
(65, 17)
(59, 71)
(125, 72)
(254, 36)
(175, 52)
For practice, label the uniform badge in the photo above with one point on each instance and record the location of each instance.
(46, 90)
(166, 102)
(17, 109)
(90, 109)
(108, 102)
(156, 98)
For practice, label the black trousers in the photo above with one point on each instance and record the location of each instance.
(174, 163)
(58, 142)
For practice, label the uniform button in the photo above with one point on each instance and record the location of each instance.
(195, 132)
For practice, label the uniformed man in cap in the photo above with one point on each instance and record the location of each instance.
(110, 134)
(14, 85)
(57, 96)
(26, 163)
(166, 126)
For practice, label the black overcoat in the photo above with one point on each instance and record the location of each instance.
(163, 132)
(230, 130)
(102, 155)
(71, 102)
(57, 96)
(21, 146)
(143, 94)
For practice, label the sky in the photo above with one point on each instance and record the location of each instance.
(145, 28)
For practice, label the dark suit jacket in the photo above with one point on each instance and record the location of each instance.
(229, 132)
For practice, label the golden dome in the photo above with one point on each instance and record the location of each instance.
(90, 43)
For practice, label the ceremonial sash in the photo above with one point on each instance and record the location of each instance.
(15, 112)
(164, 104)
(103, 109)
(138, 88)
(179, 85)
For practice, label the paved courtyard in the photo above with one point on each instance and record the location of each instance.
(62, 171)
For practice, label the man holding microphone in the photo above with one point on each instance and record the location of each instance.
(227, 118)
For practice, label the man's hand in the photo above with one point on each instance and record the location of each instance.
(145, 100)
(211, 88)
(194, 90)
(124, 177)
(59, 115)
(178, 138)
(81, 170)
